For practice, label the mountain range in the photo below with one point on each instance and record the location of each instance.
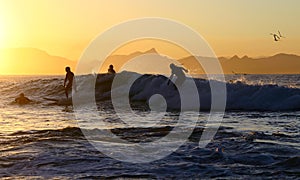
(24, 61)
(28, 61)
(278, 64)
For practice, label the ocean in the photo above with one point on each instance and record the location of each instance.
(258, 137)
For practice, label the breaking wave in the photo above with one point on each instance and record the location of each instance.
(240, 95)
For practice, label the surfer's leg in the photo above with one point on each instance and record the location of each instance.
(179, 81)
(66, 91)
(69, 86)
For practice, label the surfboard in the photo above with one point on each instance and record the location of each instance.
(62, 102)
(51, 99)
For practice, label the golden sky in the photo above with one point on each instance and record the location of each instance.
(231, 27)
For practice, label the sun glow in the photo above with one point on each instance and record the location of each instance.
(2, 33)
(2, 57)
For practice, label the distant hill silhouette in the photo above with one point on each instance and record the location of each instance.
(277, 64)
(34, 61)
(119, 60)
(28, 61)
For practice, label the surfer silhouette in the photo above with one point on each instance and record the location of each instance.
(111, 70)
(178, 71)
(69, 78)
(22, 99)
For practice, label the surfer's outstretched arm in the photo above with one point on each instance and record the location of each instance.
(185, 70)
(29, 100)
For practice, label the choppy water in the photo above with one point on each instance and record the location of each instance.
(44, 140)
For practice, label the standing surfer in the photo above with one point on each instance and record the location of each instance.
(69, 78)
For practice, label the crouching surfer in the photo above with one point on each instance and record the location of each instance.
(177, 71)
(111, 69)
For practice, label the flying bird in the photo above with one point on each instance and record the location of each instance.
(275, 36)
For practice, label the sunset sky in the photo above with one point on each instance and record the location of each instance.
(231, 27)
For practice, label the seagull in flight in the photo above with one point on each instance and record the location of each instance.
(275, 36)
